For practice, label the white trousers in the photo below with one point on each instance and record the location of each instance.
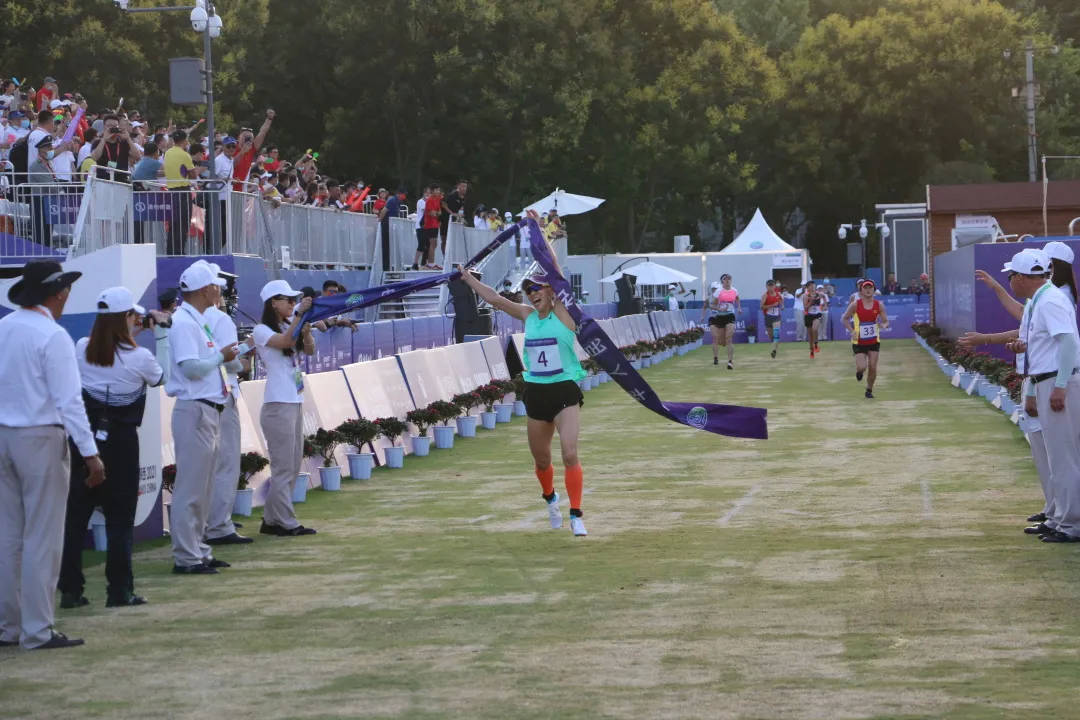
(34, 481)
(1061, 435)
(283, 428)
(195, 428)
(226, 473)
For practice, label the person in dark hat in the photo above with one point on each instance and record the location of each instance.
(42, 405)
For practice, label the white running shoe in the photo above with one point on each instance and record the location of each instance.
(577, 525)
(555, 513)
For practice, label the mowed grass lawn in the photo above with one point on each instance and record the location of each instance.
(866, 561)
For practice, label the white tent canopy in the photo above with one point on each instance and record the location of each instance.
(757, 236)
(566, 203)
(650, 273)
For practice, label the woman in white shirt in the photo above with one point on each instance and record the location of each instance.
(282, 416)
(115, 374)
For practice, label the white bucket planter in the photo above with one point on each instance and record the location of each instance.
(243, 502)
(487, 419)
(504, 412)
(421, 445)
(635, 363)
(299, 493)
(101, 540)
(751, 339)
(604, 377)
(519, 408)
(330, 478)
(466, 426)
(444, 437)
(360, 465)
(594, 381)
(395, 457)
(646, 361)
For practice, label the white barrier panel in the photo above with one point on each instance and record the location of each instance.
(445, 364)
(379, 390)
(328, 403)
(476, 369)
(251, 440)
(496, 359)
(519, 345)
(423, 379)
(644, 328)
(252, 391)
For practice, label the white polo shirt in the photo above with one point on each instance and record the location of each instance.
(282, 371)
(1049, 313)
(39, 378)
(125, 381)
(420, 205)
(190, 338)
(224, 330)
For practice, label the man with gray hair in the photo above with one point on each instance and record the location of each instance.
(42, 404)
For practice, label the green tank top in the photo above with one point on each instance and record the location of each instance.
(549, 351)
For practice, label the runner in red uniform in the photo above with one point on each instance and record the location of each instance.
(864, 319)
(771, 305)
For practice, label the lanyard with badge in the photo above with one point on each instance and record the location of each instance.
(1021, 358)
(210, 344)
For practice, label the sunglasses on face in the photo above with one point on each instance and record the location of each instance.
(533, 287)
(288, 299)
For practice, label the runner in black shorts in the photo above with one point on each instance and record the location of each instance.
(724, 301)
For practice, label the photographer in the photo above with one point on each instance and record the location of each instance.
(117, 152)
(115, 374)
(282, 416)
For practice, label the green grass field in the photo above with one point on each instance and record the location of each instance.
(865, 562)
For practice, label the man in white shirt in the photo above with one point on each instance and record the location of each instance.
(1051, 347)
(220, 529)
(199, 382)
(421, 240)
(42, 405)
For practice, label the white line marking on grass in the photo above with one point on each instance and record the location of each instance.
(739, 505)
(482, 518)
(927, 506)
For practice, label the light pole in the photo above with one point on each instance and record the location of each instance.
(204, 20)
(864, 231)
(1029, 99)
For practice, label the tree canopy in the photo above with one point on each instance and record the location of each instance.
(678, 112)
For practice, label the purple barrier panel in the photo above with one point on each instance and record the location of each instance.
(363, 343)
(955, 292)
(323, 359)
(448, 329)
(383, 331)
(433, 331)
(343, 352)
(403, 335)
(420, 333)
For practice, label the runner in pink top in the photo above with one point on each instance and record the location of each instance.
(724, 302)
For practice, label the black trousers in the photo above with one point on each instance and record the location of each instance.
(41, 230)
(117, 497)
(180, 220)
(384, 227)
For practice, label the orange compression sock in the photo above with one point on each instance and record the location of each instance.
(547, 480)
(575, 481)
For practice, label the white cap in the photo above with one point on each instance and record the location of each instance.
(215, 269)
(820, 287)
(672, 286)
(277, 287)
(58, 104)
(508, 215)
(1058, 250)
(118, 300)
(714, 284)
(197, 276)
(1028, 262)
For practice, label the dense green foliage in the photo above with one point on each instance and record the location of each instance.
(685, 114)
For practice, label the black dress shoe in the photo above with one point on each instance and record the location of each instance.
(59, 640)
(1040, 529)
(1059, 537)
(299, 530)
(128, 600)
(73, 600)
(232, 539)
(215, 563)
(199, 569)
(1037, 518)
(269, 529)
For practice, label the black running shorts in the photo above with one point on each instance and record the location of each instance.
(543, 401)
(863, 349)
(808, 319)
(771, 320)
(722, 320)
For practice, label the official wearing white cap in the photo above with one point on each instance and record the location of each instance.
(199, 382)
(115, 373)
(1049, 338)
(282, 416)
(220, 529)
(1061, 259)
(41, 405)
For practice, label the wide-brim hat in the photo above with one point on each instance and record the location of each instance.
(40, 279)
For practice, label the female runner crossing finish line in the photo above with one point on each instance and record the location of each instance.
(865, 335)
(552, 396)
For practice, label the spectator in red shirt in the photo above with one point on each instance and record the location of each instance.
(274, 164)
(432, 211)
(48, 92)
(249, 148)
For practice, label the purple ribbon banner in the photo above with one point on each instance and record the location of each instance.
(731, 420)
(329, 306)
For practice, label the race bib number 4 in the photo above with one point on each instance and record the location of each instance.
(544, 358)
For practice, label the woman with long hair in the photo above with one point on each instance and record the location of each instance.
(115, 373)
(282, 416)
(725, 304)
(552, 397)
(1061, 259)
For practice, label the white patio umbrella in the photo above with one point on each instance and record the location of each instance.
(565, 203)
(650, 273)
